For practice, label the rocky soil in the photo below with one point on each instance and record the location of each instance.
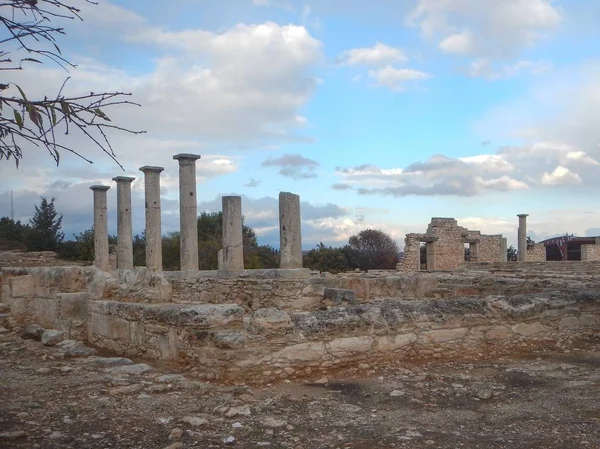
(67, 396)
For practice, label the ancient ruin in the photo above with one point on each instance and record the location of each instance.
(238, 325)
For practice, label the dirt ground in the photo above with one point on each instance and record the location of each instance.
(549, 399)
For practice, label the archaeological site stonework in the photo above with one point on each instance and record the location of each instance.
(445, 247)
(239, 326)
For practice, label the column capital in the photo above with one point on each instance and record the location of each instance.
(123, 179)
(151, 169)
(522, 215)
(181, 157)
(99, 188)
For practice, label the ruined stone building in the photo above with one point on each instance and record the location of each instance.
(445, 243)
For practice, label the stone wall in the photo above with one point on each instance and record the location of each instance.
(490, 248)
(140, 313)
(445, 241)
(221, 342)
(537, 253)
(590, 252)
(16, 258)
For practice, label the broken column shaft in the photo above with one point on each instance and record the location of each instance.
(504, 248)
(153, 232)
(124, 224)
(522, 237)
(290, 235)
(100, 227)
(188, 211)
(233, 244)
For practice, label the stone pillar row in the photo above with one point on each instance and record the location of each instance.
(231, 257)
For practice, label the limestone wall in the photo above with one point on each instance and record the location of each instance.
(537, 253)
(132, 313)
(490, 248)
(222, 342)
(590, 252)
(16, 258)
(445, 241)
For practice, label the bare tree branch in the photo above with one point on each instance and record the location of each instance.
(27, 123)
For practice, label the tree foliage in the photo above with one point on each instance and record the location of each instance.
(13, 234)
(45, 227)
(372, 249)
(326, 258)
(511, 254)
(28, 122)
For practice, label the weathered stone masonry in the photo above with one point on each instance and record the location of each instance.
(445, 244)
(280, 323)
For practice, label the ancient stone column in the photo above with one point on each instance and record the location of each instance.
(188, 211)
(504, 248)
(100, 227)
(233, 245)
(124, 225)
(522, 237)
(290, 235)
(153, 217)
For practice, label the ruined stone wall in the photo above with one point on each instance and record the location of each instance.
(17, 258)
(131, 313)
(590, 252)
(449, 249)
(446, 247)
(490, 248)
(537, 253)
(410, 261)
(222, 342)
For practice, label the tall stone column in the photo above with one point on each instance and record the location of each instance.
(100, 227)
(153, 217)
(522, 237)
(188, 211)
(233, 245)
(504, 247)
(124, 225)
(290, 234)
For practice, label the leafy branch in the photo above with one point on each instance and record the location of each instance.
(28, 122)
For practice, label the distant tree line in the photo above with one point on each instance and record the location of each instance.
(370, 249)
(43, 233)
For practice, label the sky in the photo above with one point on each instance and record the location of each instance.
(379, 114)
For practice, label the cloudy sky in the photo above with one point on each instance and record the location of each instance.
(379, 113)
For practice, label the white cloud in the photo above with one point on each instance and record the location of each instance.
(377, 55)
(485, 29)
(542, 165)
(459, 43)
(560, 176)
(485, 68)
(396, 79)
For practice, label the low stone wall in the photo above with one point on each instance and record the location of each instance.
(571, 267)
(590, 253)
(220, 342)
(17, 258)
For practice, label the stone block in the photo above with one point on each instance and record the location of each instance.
(269, 320)
(569, 323)
(211, 315)
(528, 329)
(22, 286)
(52, 337)
(393, 343)
(343, 347)
(99, 325)
(301, 353)
(444, 335)
(498, 333)
(228, 339)
(73, 306)
(339, 295)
